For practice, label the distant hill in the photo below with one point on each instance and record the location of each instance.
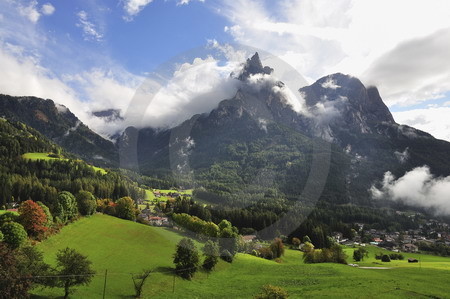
(61, 126)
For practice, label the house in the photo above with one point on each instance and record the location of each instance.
(409, 248)
(249, 238)
(338, 236)
(376, 241)
(158, 221)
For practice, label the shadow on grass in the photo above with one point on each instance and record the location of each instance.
(167, 271)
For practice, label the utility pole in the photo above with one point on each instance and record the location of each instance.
(104, 285)
(173, 287)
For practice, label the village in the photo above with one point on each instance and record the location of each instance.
(430, 231)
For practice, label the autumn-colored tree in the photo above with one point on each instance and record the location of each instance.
(277, 247)
(33, 218)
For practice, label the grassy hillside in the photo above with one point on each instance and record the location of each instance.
(46, 156)
(122, 247)
(125, 247)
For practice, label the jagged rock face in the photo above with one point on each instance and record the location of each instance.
(254, 66)
(342, 102)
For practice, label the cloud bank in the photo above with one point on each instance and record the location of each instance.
(417, 187)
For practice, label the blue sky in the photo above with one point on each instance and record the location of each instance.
(94, 54)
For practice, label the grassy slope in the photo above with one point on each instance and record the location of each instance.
(44, 156)
(247, 274)
(120, 246)
(123, 247)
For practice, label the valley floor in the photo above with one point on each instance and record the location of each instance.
(123, 247)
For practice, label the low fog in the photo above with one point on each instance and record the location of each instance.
(418, 187)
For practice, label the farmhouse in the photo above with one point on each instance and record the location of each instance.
(409, 248)
(249, 238)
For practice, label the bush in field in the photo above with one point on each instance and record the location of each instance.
(226, 256)
(396, 256)
(277, 248)
(266, 253)
(296, 242)
(359, 254)
(335, 254)
(385, 258)
(272, 292)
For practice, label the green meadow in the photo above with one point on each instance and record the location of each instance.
(45, 156)
(124, 247)
(150, 196)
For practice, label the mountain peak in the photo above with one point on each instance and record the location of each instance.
(254, 66)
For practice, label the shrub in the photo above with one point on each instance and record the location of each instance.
(266, 253)
(333, 255)
(296, 242)
(277, 248)
(272, 292)
(226, 256)
(396, 256)
(385, 258)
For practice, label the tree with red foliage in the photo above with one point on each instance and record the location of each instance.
(33, 218)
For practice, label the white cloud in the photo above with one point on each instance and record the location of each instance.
(23, 75)
(30, 11)
(185, 2)
(90, 31)
(414, 71)
(47, 9)
(330, 83)
(319, 37)
(432, 120)
(193, 88)
(134, 7)
(417, 187)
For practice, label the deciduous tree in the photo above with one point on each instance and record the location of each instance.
(86, 203)
(211, 253)
(125, 208)
(33, 218)
(186, 258)
(74, 269)
(14, 234)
